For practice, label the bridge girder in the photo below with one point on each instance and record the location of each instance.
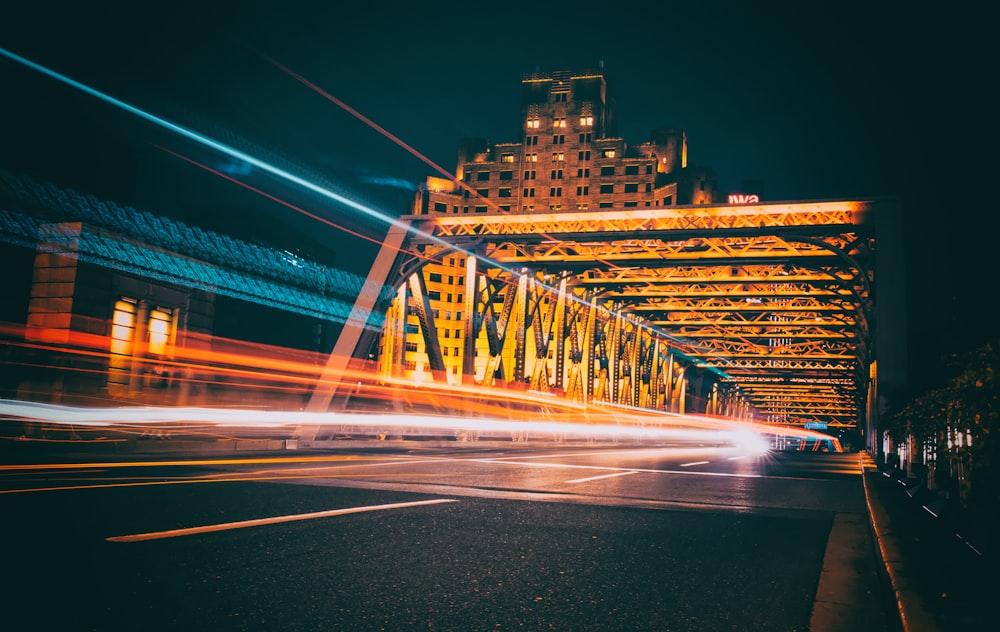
(633, 307)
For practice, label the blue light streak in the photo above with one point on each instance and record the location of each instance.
(226, 149)
(306, 184)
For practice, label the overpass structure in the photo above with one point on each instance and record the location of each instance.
(763, 311)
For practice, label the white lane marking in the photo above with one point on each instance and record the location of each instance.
(694, 463)
(155, 535)
(736, 458)
(595, 478)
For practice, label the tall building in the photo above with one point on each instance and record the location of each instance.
(569, 157)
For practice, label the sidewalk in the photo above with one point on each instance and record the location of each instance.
(943, 572)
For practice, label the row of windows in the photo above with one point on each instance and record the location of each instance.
(434, 295)
(553, 192)
(629, 187)
(559, 122)
(583, 206)
(560, 139)
(437, 277)
(529, 192)
(582, 156)
(583, 172)
(558, 156)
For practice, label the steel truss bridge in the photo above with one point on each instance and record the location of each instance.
(762, 311)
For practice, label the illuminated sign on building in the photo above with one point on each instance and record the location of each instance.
(744, 198)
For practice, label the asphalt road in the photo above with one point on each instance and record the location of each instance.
(610, 538)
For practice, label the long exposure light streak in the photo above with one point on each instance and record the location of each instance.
(273, 198)
(228, 150)
(276, 171)
(741, 435)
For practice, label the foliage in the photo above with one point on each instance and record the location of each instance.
(969, 404)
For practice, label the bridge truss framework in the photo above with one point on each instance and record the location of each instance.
(762, 312)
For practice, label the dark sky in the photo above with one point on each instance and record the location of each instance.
(847, 100)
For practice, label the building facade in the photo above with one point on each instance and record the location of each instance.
(569, 158)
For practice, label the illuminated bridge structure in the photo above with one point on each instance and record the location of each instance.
(763, 312)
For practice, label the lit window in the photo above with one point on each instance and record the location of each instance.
(159, 331)
(531, 157)
(122, 333)
(506, 157)
(586, 120)
(533, 123)
(559, 122)
(609, 153)
(555, 207)
(582, 206)
(558, 157)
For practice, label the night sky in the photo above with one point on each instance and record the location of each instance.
(852, 100)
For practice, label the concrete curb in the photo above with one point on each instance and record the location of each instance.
(912, 613)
